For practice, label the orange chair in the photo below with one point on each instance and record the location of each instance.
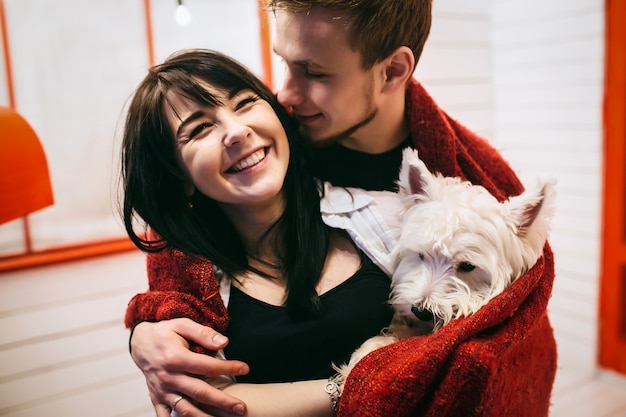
(25, 184)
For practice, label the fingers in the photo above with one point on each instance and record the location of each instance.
(214, 412)
(203, 335)
(162, 352)
(181, 329)
(181, 410)
(181, 406)
(163, 346)
(199, 392)
(186, 408)
(189, 362)
(176, 401)
(174, 361)
(162, 410)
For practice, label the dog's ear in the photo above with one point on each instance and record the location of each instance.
(533, 211)
(414, 175)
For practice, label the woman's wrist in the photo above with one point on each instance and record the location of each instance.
(333, 389)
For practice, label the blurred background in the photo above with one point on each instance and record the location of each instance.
(543, 81)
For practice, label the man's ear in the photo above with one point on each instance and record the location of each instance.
(399, 67)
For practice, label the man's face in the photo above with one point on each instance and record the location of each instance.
(324, 84)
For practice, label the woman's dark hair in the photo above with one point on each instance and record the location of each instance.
(156, 187)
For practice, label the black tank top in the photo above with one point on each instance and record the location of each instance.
(281, 348)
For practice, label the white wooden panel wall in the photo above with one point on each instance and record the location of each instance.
(455, 66)
(548, 86)
(63, 347)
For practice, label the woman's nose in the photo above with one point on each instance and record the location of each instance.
(235, 132)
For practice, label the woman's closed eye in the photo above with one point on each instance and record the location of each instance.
(197, 124)
(199, 129)
(246, 101)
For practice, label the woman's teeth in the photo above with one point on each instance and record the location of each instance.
(252, 160)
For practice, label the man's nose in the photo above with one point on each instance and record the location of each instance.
(290, 94)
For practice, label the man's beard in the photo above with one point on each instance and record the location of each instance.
(337, 138)
(370, 114)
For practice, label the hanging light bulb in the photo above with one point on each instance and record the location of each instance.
(183, 17)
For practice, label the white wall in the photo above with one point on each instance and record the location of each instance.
(63, 348)
(456, 65)
(525, 74)
(548, 63)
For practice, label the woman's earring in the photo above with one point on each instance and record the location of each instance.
(190, 192)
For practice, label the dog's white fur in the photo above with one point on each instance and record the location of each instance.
(458, 248)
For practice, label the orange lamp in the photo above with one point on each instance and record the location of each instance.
(25, 184)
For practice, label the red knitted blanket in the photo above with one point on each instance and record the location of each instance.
(501, 361)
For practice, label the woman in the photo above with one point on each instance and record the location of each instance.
(214, 168)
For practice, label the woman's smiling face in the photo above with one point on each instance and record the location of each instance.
(236, 153)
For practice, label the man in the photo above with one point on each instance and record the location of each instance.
(348, 81)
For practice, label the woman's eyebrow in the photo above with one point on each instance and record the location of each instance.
(235, 92)
(193, 116)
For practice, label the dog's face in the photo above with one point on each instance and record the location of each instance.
(459, 247)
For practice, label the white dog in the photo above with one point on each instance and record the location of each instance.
(457, 248)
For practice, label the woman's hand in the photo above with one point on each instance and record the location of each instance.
(161, 351)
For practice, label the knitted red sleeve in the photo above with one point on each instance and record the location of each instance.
(180, 286)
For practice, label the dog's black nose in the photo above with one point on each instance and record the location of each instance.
(423, 315)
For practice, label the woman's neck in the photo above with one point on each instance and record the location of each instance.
(254, 224)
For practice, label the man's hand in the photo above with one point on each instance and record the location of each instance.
(171, 370)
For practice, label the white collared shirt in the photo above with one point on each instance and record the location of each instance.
(371, 218)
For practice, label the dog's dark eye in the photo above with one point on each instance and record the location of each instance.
(421, 256)
(466, 267)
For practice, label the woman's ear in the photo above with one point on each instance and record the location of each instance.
(399, 67)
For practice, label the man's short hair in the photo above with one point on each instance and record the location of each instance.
(376, 27)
